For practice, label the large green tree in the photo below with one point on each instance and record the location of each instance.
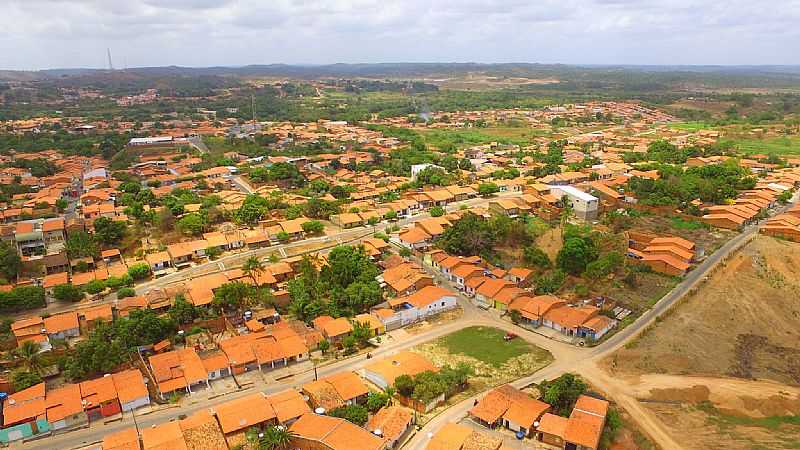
(563, 392)
(109, 232)
(10, 262)
(575, 255)
(80, 244)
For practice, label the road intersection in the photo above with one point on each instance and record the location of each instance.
(567, 358)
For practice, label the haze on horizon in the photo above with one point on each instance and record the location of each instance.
(39, 34)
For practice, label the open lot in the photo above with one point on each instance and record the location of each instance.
(741, 392)
(748, 309)
(494, 360)
(780, 145)
(486, 345)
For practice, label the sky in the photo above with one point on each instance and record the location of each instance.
(39, 34)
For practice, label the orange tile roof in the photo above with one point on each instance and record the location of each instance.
(403, 363)
(177, 369)
(130, 385)
(427, 295)
(335, 434)
(165, 436)
(215, 361)
(450, 437)
(98, 312)
(244, 413)
(63, 402)
(25, 405)
(552, 424)
(288, 405)
(54, 279)
(392, 421)
(61, 322)
(337, 327)
(127, 439)
(569, 317)
(98, 391)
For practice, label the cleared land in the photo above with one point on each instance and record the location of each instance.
(779, 145)
(748, 310)
(486, 344)
(724, 366)
(494, 360)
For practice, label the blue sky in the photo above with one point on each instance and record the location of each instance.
(36, 34)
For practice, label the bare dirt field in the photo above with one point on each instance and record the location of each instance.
(702, 427)
(550, 242)
(744, 322)
(724, 366)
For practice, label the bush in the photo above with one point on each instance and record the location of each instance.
(576, 254)
(313, 227)
(356, 414)
(67, 293)
(95, 286)
(536, 257)
(550, 283)
(437, 211)
(139, 271)
(604, 266)
(126, 292)
(376, 401)
(21, 298)
(23, 379)
(213, 252)
(562, 393)
(117, 282)
(487, 189)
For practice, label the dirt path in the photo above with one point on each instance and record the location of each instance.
(618, 390)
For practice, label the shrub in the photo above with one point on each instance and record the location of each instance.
(126, 292)
(139, 271)
(67, 293)
(95, 286)
(117, 282)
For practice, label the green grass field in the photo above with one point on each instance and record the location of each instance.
(475, 136)
(783, 145)
(690, 126)
(486, 344)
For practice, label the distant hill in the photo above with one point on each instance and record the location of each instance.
(628, 75)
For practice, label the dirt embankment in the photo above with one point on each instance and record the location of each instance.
(743, 322)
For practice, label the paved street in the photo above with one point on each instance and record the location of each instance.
(567, 358)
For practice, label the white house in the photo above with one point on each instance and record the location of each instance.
(584, 205)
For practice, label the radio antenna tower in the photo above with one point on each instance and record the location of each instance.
(110, 64)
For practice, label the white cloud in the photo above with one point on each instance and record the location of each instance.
(75, 33)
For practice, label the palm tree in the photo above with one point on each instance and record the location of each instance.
(275, 438)
(390, 391)
(29, 352)
(566, 212)
(252, 267)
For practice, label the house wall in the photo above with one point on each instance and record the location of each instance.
(443, 304)
(551, 439)
(24, 430)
